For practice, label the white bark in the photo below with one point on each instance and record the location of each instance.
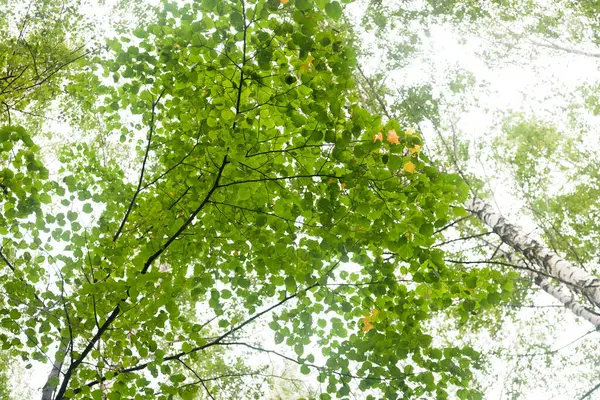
(549, 263)
(48, 390)
(559, 291)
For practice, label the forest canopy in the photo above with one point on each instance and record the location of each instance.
(243, 199)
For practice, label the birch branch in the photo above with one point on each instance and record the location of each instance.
(550, 263)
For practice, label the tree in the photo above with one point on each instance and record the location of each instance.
(532, 153)
(241, 172)
(263, 195)
(39, 50)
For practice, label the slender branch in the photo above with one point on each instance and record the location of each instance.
(551, 45)
(589, 392)
(139, 187)
(197, 377)
(451, 224)
(6, 260)
(117, 310)
(279, 178)
(219, 339)
(261, 212)
(374, 92)
(554, 351)
(244, 45)
(212, 343)
(505, 264)
(286, 149)
(320, 368)
(463, 238)
(56, 70)
(163, 174)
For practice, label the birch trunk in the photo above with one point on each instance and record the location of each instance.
(560, 292)
(548, 262)
(49, 387)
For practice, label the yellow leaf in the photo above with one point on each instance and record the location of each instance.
(415, 149)
(304, 67)
(392, 137)
(377, 137)
(176, 46)
(367, 321)
(410, 131)
(409, 167)
(284, 2)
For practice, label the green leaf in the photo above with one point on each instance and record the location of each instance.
(140, 33)
(227, 115)
(494, 298)
(290, 284)
(334, 10)
(304, 5)
(426, 230)
(45, 198)
(299, 349)
(186, 347)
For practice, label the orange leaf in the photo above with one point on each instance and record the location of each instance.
(377, 137)
(409, 167)
(367, 327)
(330, 181)
(392, 137)
(367, 321)
(343, 185)
(284, 2)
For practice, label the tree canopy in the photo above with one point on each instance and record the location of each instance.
(224, 183)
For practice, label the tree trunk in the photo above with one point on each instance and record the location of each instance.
(49, 387)
(549, 263)
(559, 291)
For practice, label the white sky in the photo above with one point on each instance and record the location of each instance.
(542, 86)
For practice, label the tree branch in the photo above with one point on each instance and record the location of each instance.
(218, 340)
(117, 310)
(139, 187)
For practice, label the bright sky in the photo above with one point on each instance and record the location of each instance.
(543, 85)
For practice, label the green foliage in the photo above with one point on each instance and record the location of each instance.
(532, 150)
(41, 47)
(5, 378)
(538, 153)
(259, 196)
